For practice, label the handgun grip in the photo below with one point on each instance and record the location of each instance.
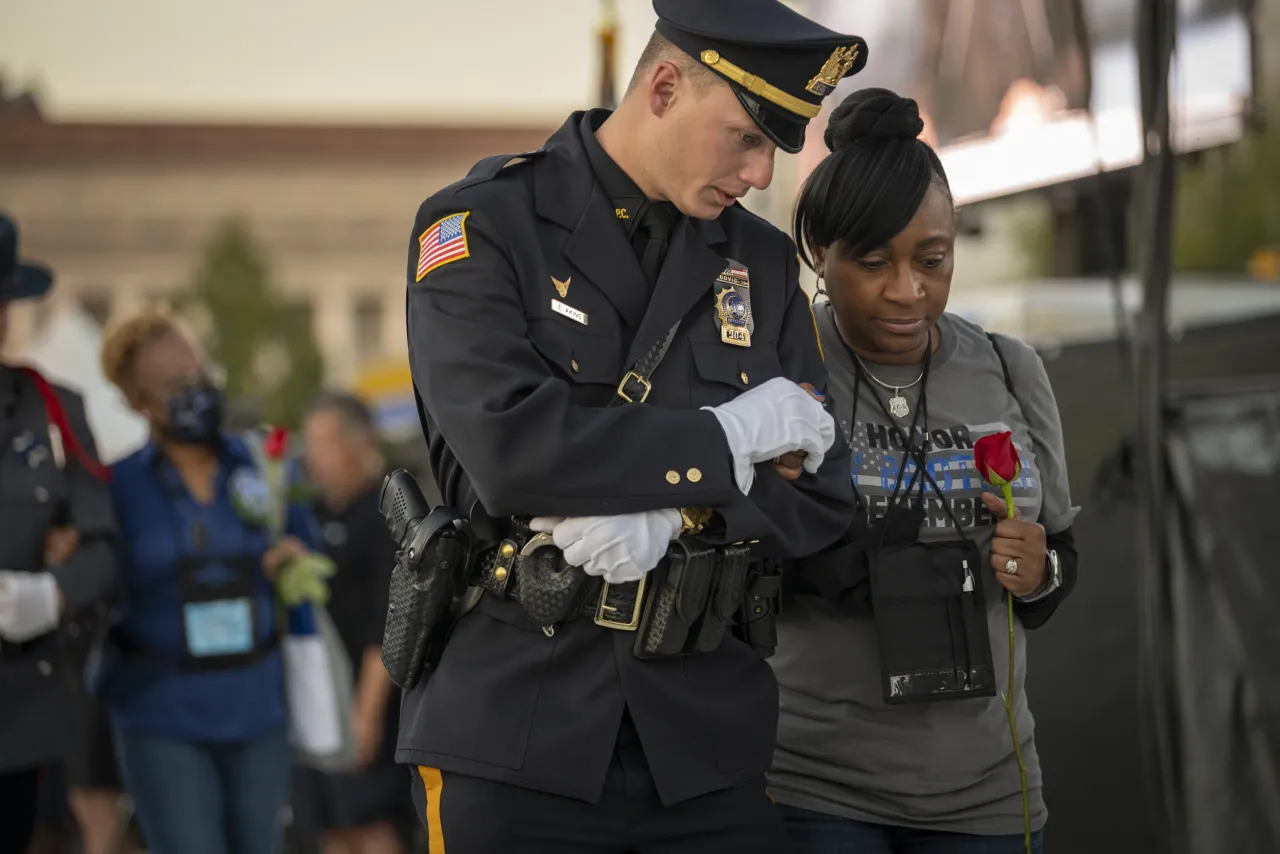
(401, 503)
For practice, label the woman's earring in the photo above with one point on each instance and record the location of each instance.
(819, 290)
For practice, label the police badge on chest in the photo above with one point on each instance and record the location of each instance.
(733, 305)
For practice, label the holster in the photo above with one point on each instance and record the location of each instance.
(535, 574)
(677, 604)
(429, 574)
(758, 614)
(726, 599)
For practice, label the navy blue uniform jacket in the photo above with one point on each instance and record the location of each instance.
(515, 409)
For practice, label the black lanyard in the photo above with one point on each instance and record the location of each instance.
(912, 451)
(922, 406)
(191, 535)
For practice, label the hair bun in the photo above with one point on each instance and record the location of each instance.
(872, 114)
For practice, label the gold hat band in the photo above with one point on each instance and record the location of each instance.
(757, 86)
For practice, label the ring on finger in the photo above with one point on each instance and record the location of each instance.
(1011, 566)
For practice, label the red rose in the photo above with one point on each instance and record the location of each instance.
(276, 444)
(997, 459)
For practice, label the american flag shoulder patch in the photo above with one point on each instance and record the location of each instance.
(443, 243)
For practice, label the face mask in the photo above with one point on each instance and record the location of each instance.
(195, 415)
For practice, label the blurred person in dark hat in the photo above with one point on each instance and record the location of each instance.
(361, 812)
(609, 353)
(57, 559)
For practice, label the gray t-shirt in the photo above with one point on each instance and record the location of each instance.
(946, 766)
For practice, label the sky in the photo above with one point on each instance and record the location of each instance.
(473, 61)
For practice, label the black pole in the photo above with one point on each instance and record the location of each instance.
(1157, 25)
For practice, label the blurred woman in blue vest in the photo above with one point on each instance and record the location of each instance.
(197, 692)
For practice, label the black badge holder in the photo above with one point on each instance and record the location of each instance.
(205, 581)
(927, 600)
(928, 608)
(200, 588)
(430, 571)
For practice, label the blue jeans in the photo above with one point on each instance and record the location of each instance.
(207, 797)
(817, 833)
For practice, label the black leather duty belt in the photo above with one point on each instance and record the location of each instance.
(551, 591)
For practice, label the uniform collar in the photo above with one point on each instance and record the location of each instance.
(563, 189)
(629, 202)
(567, 192)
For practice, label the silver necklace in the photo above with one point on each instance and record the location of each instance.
(897, 404)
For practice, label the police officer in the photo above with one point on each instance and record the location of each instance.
(57, 558)
(602, 339)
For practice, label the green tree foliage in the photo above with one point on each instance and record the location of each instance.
(1032, 233)
(1228, 204)
(263, 343)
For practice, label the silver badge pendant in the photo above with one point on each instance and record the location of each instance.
(898, 406)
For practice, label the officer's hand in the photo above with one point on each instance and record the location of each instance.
(773, 419)
(618, 548)
(29, 605)
(791, 466)
(544, 524)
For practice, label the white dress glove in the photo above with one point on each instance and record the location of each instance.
(619, 548)
(28, 605)
(771, 420)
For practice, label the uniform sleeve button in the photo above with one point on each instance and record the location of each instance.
(693, 475)
(573, 363)
(745, 379)
(673, 477)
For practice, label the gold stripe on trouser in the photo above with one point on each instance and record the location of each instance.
(432, 782)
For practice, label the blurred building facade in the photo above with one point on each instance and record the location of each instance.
(124, 212)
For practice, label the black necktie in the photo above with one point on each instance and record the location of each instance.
(656, 222)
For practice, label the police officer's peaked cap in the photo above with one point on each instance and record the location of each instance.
(778, 62)
(18, 280)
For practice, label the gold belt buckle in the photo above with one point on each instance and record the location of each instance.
(606, 613)
(645, 384)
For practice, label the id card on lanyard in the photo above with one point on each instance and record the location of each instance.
(217, 597)
(219, 614)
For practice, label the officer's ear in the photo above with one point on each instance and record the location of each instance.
(664, 83)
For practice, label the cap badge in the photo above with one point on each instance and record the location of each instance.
(833, 71)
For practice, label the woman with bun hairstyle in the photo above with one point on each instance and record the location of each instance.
(895, 645)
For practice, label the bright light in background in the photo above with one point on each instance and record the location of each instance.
(1033, 142)
(415, 61)
(1027, 106)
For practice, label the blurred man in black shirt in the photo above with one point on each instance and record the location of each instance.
(357, 812)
